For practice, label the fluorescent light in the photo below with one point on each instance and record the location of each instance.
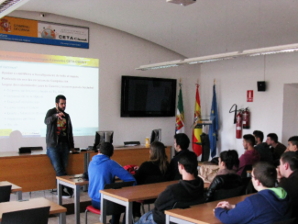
(160, 65)
(8, 6)
(224, 56)
(182, 2)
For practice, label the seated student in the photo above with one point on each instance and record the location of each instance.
(250, 156)
(269, 205)
(101, 171)
(277, 147)
(263, 149)
(181, 144)
(288, 171)
(226, 177)
(189, 190)
(155, 169)
(152, 171)
(292, 144)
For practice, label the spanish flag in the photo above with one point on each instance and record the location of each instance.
(180, 113)
(197, 126)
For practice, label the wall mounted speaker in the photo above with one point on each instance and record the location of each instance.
(261, 86)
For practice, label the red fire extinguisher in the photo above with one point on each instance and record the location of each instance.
(239, 124)
(246, 119)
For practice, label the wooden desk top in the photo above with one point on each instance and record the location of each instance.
(138, 192)
(76, 179)
(203, 213)
(12, 206)
(14, 188)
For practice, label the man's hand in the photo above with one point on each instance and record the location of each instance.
(60, 115)
(225, 205)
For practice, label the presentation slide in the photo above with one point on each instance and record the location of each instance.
(29, 86)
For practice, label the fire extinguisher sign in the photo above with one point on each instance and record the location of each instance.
(250, 95)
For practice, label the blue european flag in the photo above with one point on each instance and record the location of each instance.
(213, 128)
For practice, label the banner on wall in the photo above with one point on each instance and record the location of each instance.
(39, 32)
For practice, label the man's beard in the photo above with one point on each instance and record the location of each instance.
(60, 109)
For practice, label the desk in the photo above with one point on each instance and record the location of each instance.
(12, 206)
(18, 169)
(14, 188)
(125, 196)
(198, 214)
(75, 182)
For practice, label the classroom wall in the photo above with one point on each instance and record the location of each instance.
(235, 77)
(119, 54)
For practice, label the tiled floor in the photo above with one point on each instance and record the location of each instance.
(70, 219)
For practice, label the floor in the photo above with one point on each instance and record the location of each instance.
(70, 219)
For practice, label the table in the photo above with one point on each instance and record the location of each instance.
(198, 214)
(14, 188)
(12, 206)
(75, 182)
(125, 196)
(17, 168)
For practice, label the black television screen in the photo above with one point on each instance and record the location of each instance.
(148, 97)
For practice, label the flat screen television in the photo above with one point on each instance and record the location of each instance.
(148, 97)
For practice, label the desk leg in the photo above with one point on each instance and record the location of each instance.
(128, 212)
(19, 195)
(62, 218)
(59, 192)
(77, 203)
(167, 219)
(103, 206)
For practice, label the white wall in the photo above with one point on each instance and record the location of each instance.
(234, 78)
(119, 54)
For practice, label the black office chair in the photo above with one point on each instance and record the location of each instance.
(5, 192)
(289, 221)
(228, 193)
(112, 208)
(244, 172)
(27, 216)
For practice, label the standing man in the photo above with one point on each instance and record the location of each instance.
(262, 147)
(59, 138)
(278, 148)
(181, 144)
(250, 156)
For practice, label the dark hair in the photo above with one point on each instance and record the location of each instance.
(294, 140)
(182, 140)
(266, 173)
(60, 97)
(190, 162)
(273, 137)
(158, 154)
(291, 158)
(107, 149)
(250, 139)
(230, 158)
(259, 134)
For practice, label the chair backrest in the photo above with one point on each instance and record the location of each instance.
(27, 216)
(113, 208)
(289, 221)
(5, 192)
(228, 193)
(246, 168)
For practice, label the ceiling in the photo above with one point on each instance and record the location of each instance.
(203, 28)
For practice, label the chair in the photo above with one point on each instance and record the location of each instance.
(27, 216)
(5, 192)
(228, 193)
(244, 172)
(289, 221)
(112, 208)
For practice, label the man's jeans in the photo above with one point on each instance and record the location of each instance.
(59, 158)
(147, 218)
